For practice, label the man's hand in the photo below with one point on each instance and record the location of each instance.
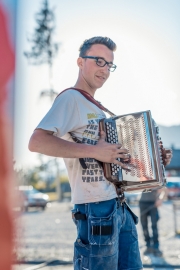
(107, 152)
(166, 154)
(158, 203)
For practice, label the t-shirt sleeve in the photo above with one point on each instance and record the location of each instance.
(63, 116)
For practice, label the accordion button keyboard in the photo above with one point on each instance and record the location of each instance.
(112, 138)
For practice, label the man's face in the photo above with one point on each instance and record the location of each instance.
(94, 75)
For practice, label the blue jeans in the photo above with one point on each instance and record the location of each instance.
(107, 239)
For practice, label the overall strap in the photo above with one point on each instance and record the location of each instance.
(90, 98)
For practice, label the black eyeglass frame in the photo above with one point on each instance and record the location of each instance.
(106, 63)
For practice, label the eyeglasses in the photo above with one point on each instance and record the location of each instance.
(101, 62)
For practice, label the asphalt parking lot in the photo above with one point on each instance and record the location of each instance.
(48, 236)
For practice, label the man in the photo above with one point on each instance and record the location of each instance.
(148, 204)
(106, 231)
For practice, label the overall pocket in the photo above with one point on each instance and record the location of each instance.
(81, 255)
(103, 230)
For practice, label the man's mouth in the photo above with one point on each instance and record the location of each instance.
(102, 78)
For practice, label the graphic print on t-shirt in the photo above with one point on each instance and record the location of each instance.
(94, 172)
(91, 133)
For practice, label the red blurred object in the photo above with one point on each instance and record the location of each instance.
(6, 219)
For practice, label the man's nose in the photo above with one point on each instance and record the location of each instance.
(105, 68)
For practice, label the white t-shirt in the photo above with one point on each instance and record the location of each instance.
(72, 112)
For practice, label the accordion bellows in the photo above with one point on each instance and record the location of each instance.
(138, 133)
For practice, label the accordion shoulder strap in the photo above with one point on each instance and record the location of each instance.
(99, 105)
(90, 98)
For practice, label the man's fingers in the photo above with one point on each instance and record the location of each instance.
(123, 166)
(168, 155)
(121, 150)
(125, 156)
(168, 151)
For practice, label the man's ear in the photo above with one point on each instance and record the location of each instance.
(80, 62)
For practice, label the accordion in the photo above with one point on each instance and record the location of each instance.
(138, 133)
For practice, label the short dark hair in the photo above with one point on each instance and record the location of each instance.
(96, 40)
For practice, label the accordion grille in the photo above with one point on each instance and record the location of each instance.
(132, 134)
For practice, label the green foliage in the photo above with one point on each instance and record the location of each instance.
(43, 49)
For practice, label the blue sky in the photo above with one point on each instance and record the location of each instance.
(147, 58)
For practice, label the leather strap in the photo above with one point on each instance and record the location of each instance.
(90, 98)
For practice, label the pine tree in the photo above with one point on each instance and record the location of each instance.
(43, 49)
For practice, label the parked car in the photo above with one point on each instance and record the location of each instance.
(173, 188)
(31, 197)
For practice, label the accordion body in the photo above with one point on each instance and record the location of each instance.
(138, 133)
